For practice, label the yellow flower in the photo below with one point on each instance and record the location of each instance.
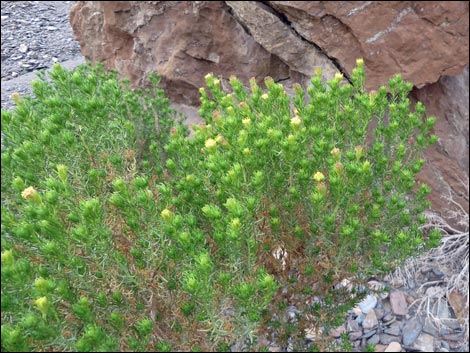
(295, 121)
(211, 144)
(360, 62)
(265, 96)
(43, 305)
(16, 97)
(7, 257)
(216, 82)
(29, 193)
(335, 152)
(167, 215)
(246, 121)
(338, 76)
(209, 76)
(318, 176)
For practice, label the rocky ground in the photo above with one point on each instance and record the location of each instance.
(35, 35)
(400, 316)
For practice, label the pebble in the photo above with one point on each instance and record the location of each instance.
(411, 331)
(398, 303)
(424, 343)
(393, 347)
(370, 321)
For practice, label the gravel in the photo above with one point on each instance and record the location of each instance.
(34, 35)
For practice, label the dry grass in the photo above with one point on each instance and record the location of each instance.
(451, 257)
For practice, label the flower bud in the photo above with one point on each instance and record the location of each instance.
(338, 76)
(16, 97)
(211, 145)
(321, 187)
(43, 305)
(246, 121)
(167, 215)
(360, 62)
(335, 152)
(318, 176)
(18, 184)
(264, 96)
(30, 193)
(359, 150)
(366, 166)
(41, 285)
(7, 257)
(62, 172)
(295, 122)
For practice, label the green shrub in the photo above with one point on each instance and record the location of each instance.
(121, 231)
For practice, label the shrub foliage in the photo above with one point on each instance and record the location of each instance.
(123, 231)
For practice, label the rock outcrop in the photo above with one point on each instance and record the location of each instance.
(427, 42)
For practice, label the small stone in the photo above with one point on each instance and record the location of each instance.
(393, 330)
(374, 340)
(411, 331)
(23, 48)
(444, 345)
(393, 347)
(458, 303)
(336, 332)
(434, 291)
(424, 343)
(360, 318)
(387, 317)
(398, 303)
(353, 336)
(386, 305)
(387, 339)
(380, 347)
(455, 345)
(370, 321)
(369, 334)
(352, 326)
(14, 74)
(379, 313)
(438, 274)
(51, 28)
(410, 299)
(454, 338)
(430, 328)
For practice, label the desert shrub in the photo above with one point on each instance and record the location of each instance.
(122, 231)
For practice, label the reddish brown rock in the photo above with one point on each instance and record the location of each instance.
(422, 40)
(448, 160)
(181, 40)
